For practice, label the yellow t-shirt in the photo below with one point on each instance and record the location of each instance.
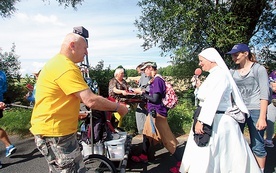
(56, 108)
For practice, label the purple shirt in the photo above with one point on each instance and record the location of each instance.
(272, 77)
(158, 86)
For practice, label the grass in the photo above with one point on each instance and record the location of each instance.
(16, 121)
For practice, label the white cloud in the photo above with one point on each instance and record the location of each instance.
(38, 19)
(38, 31)
(22, 16)
(52, 19)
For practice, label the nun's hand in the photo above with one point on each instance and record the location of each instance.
(199, 128)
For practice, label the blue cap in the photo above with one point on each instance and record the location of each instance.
(239, 48)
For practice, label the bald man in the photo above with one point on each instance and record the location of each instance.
(59, 90)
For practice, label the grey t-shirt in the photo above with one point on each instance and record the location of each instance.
(254, 86)
(143, 82)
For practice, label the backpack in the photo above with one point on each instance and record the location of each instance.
(170, 99)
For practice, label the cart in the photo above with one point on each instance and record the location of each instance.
(101, 155)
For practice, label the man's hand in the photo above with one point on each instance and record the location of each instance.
(122, 109)
(2, 105)
(83, 114)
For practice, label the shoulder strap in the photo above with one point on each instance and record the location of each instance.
(158, 75)
(232, 71)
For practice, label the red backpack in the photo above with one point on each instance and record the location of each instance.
(170, 100)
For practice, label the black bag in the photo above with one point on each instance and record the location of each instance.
(201, 139)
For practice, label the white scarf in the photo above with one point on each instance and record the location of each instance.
(212, 55)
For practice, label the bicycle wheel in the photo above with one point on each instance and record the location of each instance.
(99, 164)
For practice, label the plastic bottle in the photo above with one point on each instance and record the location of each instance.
(83, 129)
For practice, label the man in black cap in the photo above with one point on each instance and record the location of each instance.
(141, 111)
(59, 92)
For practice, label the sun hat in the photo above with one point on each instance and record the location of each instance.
(29, 86)
(152, 64)
(239, 48)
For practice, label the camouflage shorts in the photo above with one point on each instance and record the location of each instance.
(62, 153)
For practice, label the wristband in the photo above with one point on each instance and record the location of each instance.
(117, 107)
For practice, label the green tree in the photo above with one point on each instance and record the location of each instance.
(7, 7)
(11, 66)
(102, 76)
(182, 28)
(131, 73)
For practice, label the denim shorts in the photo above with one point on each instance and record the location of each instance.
(256, 136)
(62, 153)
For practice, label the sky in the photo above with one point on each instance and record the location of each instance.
(38, 28)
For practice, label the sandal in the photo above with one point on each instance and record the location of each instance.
(178, 164)
(176, 168)
(142, 158)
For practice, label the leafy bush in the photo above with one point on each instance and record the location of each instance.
(129, 120)
(180, 118)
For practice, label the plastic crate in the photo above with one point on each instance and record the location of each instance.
(123, 135)
(115, 148)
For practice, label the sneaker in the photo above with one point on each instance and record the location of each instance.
(10, 150)
(269, 143)
(1, 165)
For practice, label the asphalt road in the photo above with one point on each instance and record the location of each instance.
(28, 159)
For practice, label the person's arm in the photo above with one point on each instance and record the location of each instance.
(264, 97)
(155, 98)
(117, 91)
(112, 86)
(273, 86)
(2, 105)
(100, 103)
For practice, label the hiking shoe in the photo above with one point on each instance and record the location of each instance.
(269, 143)
(142, 158)
(10, 150)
